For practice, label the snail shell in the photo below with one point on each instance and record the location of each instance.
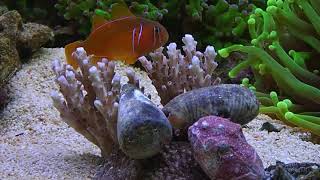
(142, 127)
(231, 101)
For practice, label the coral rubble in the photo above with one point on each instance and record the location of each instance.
(178, 73)
(284, 58)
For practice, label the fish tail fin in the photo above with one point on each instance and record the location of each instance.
(69, 49)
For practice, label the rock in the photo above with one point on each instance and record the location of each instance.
(4, 97)
(118, 166)
(222, 151)
(175, 161)
(3, 9)
(9, 59)
(142, 128)
(31, 37)
(15, 38)
(10, 24)
(9, 63)
(296, 171)
(269, 127)
(226, 100)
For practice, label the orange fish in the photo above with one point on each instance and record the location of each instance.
(126, 37)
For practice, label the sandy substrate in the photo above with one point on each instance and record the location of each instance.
(36, 144)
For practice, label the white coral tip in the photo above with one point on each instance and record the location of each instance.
(101, 65)
(93, 70)
(54, 94)
(172, 46)
(195, 60)
(188, 39)
(61, 79)
(210, 51)
(70, 75)
(80, 50)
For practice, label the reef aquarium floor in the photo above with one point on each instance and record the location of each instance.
(36, 144)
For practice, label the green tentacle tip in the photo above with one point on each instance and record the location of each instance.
(273, 34)
(282, 105)
(279, 3)
(251, 21)
(245, 81)
(292, 52)
(258, 11)
(262, 69)
(102, 13)
(271, 2)
(231, 74)
(272, 47)
(224, 52)
(252, 88)
(254, 42)
(288, 115)
(288, 102)
(271, 9)
(273, 94)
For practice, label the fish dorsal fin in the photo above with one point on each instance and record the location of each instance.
(118, 10)
(97, 21)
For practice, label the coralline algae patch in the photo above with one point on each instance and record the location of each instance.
(36, 144)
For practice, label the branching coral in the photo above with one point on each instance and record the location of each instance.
(90, 99)
(178, 73)
(283, 56)
(148, 9)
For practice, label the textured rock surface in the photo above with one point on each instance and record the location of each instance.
(225, 100)
(31, 37)
(222, 151)
(175, 162)
(9, 57)
(15, 38)
(118, 166)
(294, 171)
(142, 127)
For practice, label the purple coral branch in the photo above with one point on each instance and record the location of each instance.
(89, 98)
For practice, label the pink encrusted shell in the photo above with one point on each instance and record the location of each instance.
(222, 151)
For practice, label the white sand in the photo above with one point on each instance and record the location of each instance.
(36, 144)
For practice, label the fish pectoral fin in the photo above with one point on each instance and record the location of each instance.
(130, 59)
(120, 10)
